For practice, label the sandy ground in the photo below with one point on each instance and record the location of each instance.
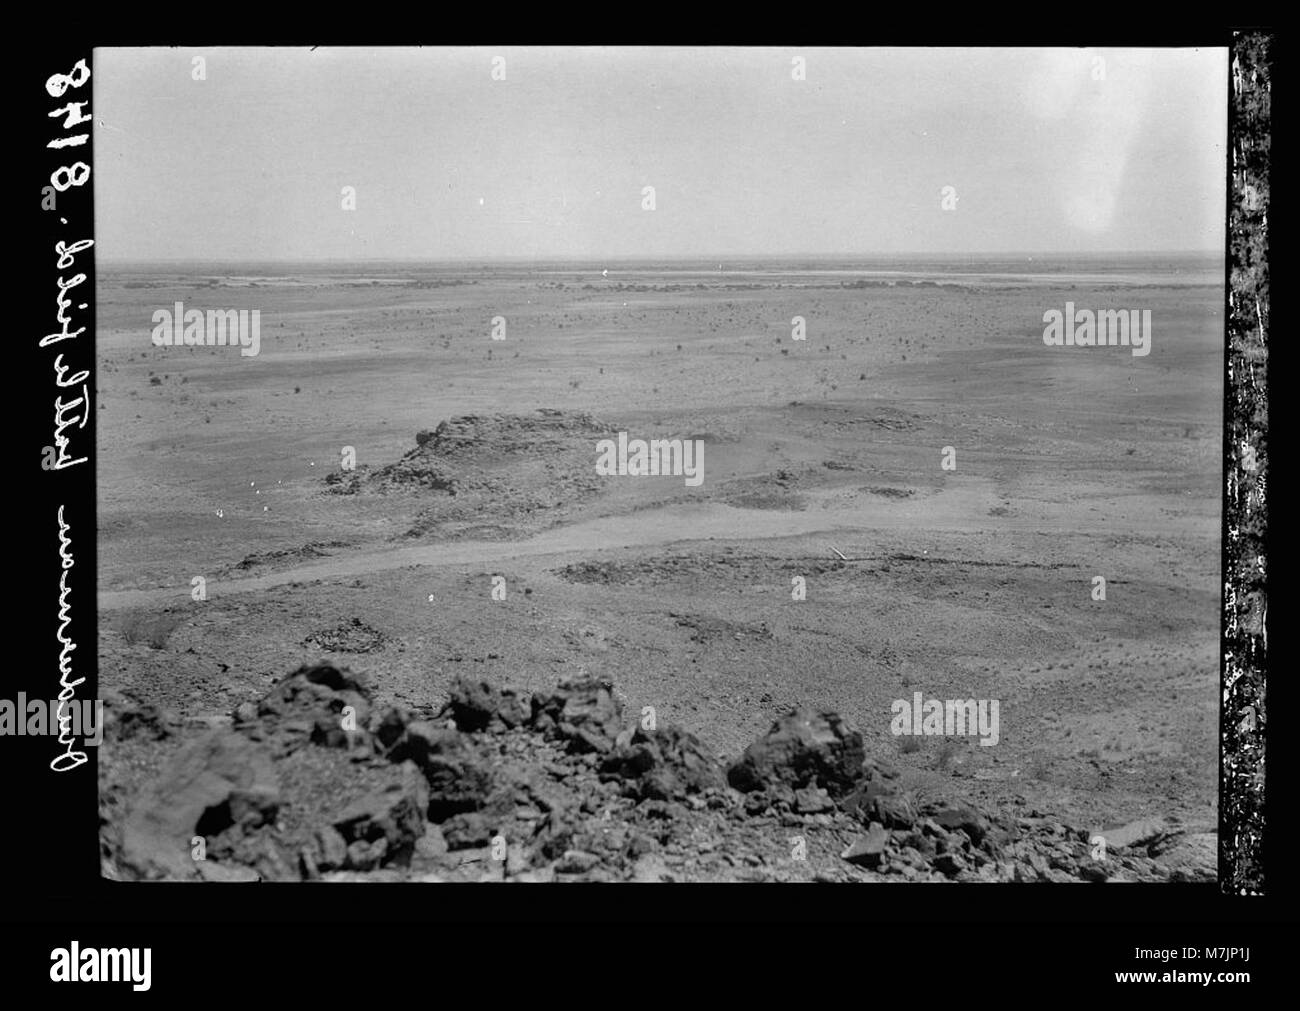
(969, 583)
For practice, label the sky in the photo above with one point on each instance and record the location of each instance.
(546, 153)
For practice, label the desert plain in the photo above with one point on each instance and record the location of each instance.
(412, 437)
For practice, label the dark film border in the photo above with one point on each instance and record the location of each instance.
(1244, 648)
(1243, 639)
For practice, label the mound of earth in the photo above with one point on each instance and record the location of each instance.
(316, 549)
(769, 491)
(522, 472)
(354, 636)
(685, 564)
(314, 782)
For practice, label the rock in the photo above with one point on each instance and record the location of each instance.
(868, 850)
(395, 815)
(366, 856)
(951, 842)
(584, 713)
(640, 844)
(1135, 834)
(921, 842)
(466, 831)
(541, 875)
(1096, 871)
(362, 877)
(667, 764)
(650, 868)
(663, 811)
(1024, 874)
(458, 778)
(517, 861)
(327, 677)
(209, 870)
(950, 864)
(125, 719)
(780, 795)
(262, 851)
(1195, 855)
(911, 857)
(576, 862)
(478, 705)
(895, 811)
(802, 749)
(555, 834)
(533, 793)
(875, 798)
(331, 849)
(813, 800)
(756, 804)
(432, 844)
(309, 705)
(952, 817)
(328, 732)
(247, 808)
(388, 724)
(199, 786)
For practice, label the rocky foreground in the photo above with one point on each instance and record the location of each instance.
(314, 782)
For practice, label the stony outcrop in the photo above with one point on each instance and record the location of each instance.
(313, 782)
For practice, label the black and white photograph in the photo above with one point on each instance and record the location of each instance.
(630, 464)
(753, 471)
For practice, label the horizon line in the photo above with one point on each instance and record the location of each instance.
(678, 258)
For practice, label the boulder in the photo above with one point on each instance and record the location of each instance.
(458, 777)
(813, 800)
(584, 713)
(868, 850)
(466, 831)
(221, 779)
(479, 705)
(958, 816)
(395, 815)
(1136, 834)
(803, 749)
(309, 705)
(388, 724)
(327, 851)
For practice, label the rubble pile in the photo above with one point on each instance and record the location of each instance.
(315, 782)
